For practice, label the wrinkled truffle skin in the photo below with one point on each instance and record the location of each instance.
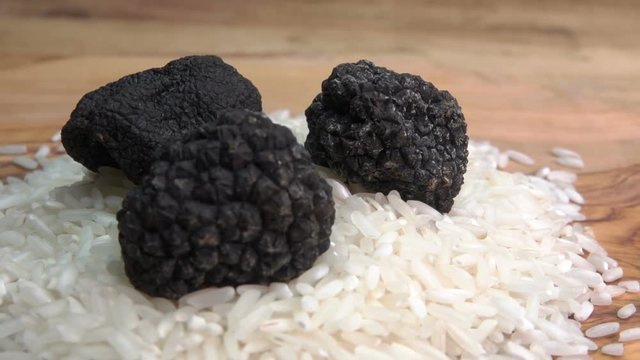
(124, 123)
(389, 131)
(237, 201)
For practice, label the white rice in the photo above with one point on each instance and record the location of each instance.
(571, 162)
(13, 149)
(56, 137)
(604, 329)
(632, 286)
(499, 276)
(615, 349)
(612, 274)
(614, 290)
(584, 311)
(561, 177)
(566, 157)
(25, 162)
(520, 157)
(564, 152)
(601, 298)
(626, 311)
(503, 161)
(631, 334)
(543, 172)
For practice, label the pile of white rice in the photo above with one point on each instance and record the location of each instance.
(499, 275)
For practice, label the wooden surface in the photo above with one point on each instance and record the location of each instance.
(529, 75)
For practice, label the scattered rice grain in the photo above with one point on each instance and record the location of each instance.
(13, 149)
(604, 329)
(25, 162)
(615, 349)
(520, 157)
(631, 334)
(626, 311)
(570, 162)
(632, 286)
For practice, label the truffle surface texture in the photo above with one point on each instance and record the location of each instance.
(125, 123)
(237, 201)
(389, 131)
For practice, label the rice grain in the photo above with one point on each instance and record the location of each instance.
(564, 152)
(601, 298)
(614, 349)
(13, 149)
(626, 311)
(205, 298)
(632, 286)
(571, 162)
(612, 274)
(604, 329)
(520, 157)
(25, 162)
(630, 334)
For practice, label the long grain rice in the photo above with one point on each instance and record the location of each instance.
(564, 152)
(571, 162)
(601, 298)
(615, 349)
(25, 162)
(612, 274)
(626, 311)
(13, 149)
(630, 334)
(56, 137)
(632, 286)
(499, 276)
(604, 329)
(614, 290)
(520, 157)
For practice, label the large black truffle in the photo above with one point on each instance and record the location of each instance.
(124, 123)
(237, 201)
(389, 131)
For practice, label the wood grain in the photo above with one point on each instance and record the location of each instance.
(529, 75)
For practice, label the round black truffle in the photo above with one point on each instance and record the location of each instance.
(237, 201)
(124, 124)
(389, 131)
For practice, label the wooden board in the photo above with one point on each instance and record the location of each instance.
(528, 77)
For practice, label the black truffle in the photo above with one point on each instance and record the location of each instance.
(237, 201)
(389, 131)
(124, 124)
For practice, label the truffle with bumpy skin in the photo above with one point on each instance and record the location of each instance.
(237, 201)
(124, 124)
(389, 131)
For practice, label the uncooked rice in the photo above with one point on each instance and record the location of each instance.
(25, 162)
(56, 137)
(43, 151)
(499, 275)
(604, 329)
(612, 274)
(520, 157)
(566, 157)
(626, 311)
(570, 162)
(629, 334)
(13, 149)
(615, 349)
(564, 152)
(632, 286)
